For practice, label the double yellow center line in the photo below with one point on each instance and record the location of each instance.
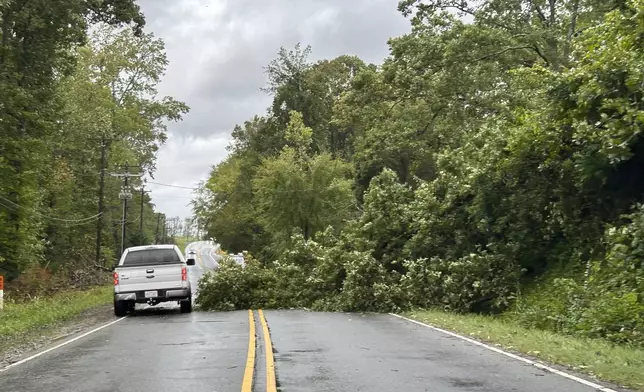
(247, 383)
(199, 259)
(271, 382)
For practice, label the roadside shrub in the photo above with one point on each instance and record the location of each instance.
(37, 282)
(564, 305)
(617, 317)
(606, 303)
(615, 286)
(40, 282)
(482, 282)
(554, 304)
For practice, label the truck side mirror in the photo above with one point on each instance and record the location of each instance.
(190, 261)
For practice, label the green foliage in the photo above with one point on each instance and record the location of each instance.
(386, 220)
(308, 195)
(489, 158)
(553, 304)
(295, 190)
(234, 287)
(475, 282)
(308, 275)
(608, 303)
(225, 202)
(621, 271)
(68, 97)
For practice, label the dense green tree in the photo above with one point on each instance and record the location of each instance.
(301, 190)
(225, 202)
(67, 100)
(34, 55)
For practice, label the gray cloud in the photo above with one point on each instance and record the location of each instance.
(217, 50)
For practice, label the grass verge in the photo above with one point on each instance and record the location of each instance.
(621, 365)
(182, 243)
(19, 318)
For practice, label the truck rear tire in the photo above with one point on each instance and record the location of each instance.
(120, 308)
(186, 306)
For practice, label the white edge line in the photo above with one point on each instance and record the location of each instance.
(538, 365)
(60, 345)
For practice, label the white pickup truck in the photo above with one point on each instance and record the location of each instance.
(152, 274)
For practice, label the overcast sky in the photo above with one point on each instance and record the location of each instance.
(217, 50)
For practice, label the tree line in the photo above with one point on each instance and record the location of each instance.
(491, 163)
(78, 102)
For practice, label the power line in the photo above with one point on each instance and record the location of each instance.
(35, 212)
(255, 191)
(172, 186)
(121, 221)
(65, 224)
(72, 222)
(83, 223)
(172, 197)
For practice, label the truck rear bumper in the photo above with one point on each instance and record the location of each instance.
(164, 295)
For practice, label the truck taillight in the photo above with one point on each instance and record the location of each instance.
(184, 273)
(116, 278)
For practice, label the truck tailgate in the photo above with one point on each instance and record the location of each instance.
(151, 277)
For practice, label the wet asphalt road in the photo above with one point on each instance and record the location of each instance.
(381, 353)
(160, 349)
(207, 260)
(150, 352)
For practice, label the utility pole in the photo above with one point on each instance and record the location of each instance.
(101, 191)
(156, 233)
(125, 195)
(164, 229)
(141, 215)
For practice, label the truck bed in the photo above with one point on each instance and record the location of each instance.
(149, 277)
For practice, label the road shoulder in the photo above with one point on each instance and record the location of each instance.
(22, 346)
(612, 366)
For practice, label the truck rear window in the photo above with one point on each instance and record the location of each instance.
(151, 256)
